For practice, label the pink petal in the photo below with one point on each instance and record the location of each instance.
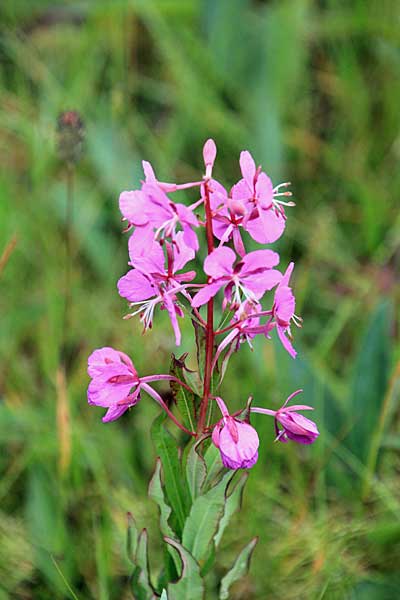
(257, 261)
(241, 191)
(303, 424)
(148, 172)
(170, 306)
(190, 238)
(285, 304)
(114, 412)
(248, 167)
(259, 283)
(133, 207)
(268, 229)
(218, 194)
(285, 342)
(100, 358)
(207, 292)
(186, 215)
(264, 191)
(219, 263)
(134, 286)
(182, 252)
(103, 393)
(287, 274)
(215, 434)
(145, 253)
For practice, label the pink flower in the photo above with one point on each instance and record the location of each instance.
(295, 427)
(165, 216)
(248, 280)
(150, 282)
(265, 216)
(283, 311)
(115, 384)
(151, 208)
(236, 440)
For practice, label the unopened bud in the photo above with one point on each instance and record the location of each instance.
(209, 154)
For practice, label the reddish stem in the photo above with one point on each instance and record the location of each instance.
(210, 322)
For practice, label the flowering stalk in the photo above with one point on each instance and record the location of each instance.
(210, 320)
(250, 291)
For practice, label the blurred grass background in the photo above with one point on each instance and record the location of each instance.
(312, 88)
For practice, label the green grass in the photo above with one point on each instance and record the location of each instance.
(312, 89)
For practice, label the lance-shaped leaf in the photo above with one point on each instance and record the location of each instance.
(195, 470)
(232, 504)
(190, 584)
(200, 337)
(174, 480)
(238, 570)
(132, 538)
(164, 595)
(156, 493)
(141, 586)
(214, 466)
(186, 401)
(203, 520)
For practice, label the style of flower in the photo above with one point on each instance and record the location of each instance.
(249, 279)
(283, 311)
(294, 427)
(150, 283)
(115, 384)
(236, 440)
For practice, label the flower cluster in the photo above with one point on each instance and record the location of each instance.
(164, 238)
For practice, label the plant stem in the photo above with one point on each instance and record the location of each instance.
(68, 261)
(210, 322)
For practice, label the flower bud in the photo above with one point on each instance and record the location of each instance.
(209, 154)
(237, 442)
(70, 137)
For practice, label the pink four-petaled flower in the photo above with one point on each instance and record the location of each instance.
(247, 280)
(151, 282)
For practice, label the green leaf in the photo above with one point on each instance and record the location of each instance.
(190, 584)
(238, 570)
(141, 586)
(195, 470)
(370, 380)
(200, 337)
(214, 465)
(174, 480)
(132, 538)
(164, 595)
(232, 504)
(156, 493)
(203, 520)
(185, 400)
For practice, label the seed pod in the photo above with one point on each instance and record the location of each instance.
(70, 137)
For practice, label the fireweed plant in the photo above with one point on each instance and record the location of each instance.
(199, 487)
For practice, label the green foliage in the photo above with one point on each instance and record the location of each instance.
(175, 482)
(238, 570)
(192, 550)
(186, 401)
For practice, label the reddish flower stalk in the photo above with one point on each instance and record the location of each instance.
(210, 321)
